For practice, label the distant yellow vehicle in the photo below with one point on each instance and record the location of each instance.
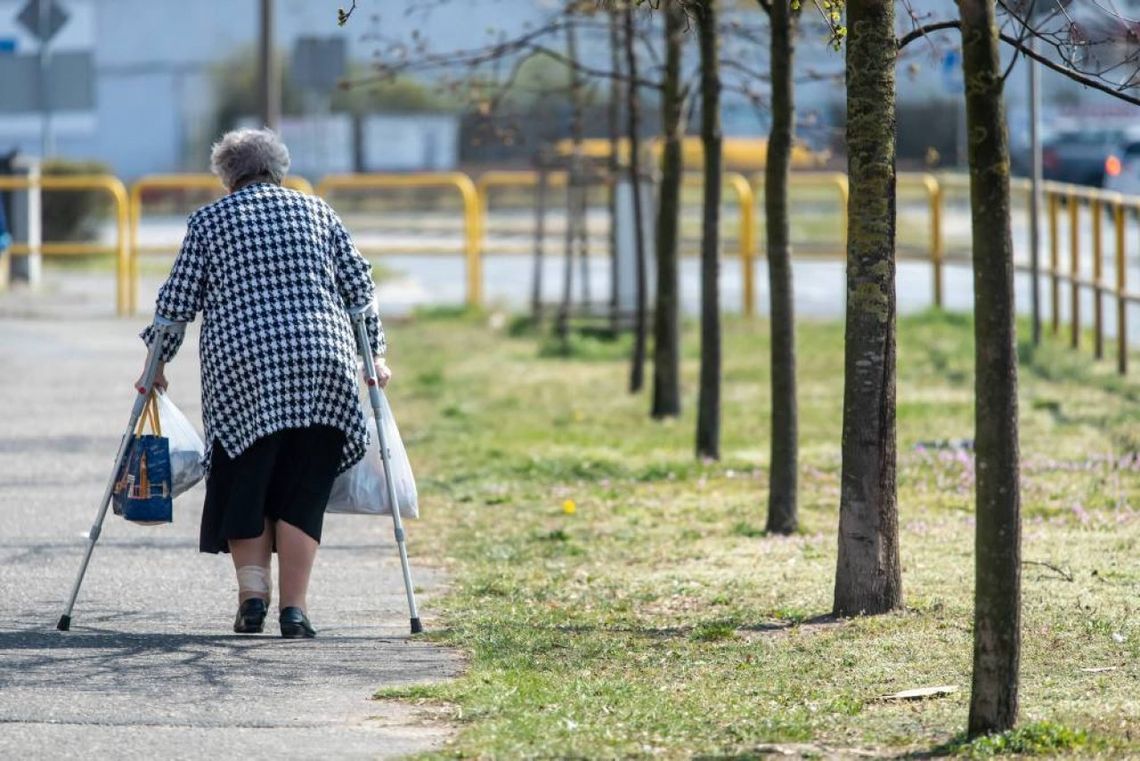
(741, 154)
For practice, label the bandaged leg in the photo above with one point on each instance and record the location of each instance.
(254, 581)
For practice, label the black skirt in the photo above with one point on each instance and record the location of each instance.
(284, 476)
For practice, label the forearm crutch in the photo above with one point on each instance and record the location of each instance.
(163, 328)
(359, 316)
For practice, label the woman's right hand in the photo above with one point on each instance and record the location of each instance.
(383, 372)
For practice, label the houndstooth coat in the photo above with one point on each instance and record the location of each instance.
(272, 272)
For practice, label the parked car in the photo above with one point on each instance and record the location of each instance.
(1085, 157)
(1122, 169)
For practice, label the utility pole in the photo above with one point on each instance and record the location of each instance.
(47, 142)
(269, 82)
(1035, 195)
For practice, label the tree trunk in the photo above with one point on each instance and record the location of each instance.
(782, 517)
(708, 403)
(868, 578)
(666, 340)
(614, 162)
(997, 541)
(633, 125)
(575, 188)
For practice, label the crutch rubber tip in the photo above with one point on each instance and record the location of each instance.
(417, 627)
(64, 623)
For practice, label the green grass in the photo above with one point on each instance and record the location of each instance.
(659, 618)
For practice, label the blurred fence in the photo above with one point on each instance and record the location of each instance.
(1084, 247)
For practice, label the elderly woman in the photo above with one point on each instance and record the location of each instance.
(273, 273)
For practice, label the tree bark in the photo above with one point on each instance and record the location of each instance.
(614, 162)
(666, 339)
(708, 402)
(868, 578)
(782, 477)
(997, 541)
(633, 125)
(575, 189)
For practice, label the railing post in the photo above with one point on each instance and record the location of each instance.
(1054, 263)
(747, 202)
(135, 217)
(934, 194)
(473, 227)
(1075, 269)
(1121, 290)
(1098, 281)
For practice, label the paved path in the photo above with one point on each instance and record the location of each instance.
(150, 668)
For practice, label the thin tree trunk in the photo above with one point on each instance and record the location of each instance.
(997, 539)
(633, 125)
(576, 187)
(782, 518)
(868, 578)
(666, 339)
(708, 403)
(613, 164)
(539, 246)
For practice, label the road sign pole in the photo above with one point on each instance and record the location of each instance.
(47, 141)
(270, 75)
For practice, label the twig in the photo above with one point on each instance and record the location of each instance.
(1066, 71)
(1064, 574)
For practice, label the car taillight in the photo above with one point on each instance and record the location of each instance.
(1049, 158)
(1112, 166)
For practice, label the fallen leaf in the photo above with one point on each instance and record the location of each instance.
(922, 692)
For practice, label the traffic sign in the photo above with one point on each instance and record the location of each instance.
(53, 16)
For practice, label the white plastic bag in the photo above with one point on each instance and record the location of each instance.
(362, 489)
(187, 451)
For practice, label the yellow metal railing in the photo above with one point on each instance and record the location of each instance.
(746, 234)
(736, 182)
(468, 193)
(83, 182)
(933, 190)
(1068, 202)
(1068, 283)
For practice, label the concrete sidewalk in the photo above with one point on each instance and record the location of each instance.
(151, 668)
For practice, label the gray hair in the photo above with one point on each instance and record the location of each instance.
(248, 154)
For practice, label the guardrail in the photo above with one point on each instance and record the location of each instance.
(472, 248)
(1080, 210)
(81, 182)
(1099, 205)
(735, 182)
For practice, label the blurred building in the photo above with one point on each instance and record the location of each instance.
(135, 79)
(134, 83)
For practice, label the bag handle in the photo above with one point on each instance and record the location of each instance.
(150, 412)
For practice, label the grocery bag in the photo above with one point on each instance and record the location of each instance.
(187, 450)
(143, 490)
(363, 489)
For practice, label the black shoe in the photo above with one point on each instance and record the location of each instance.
(251, 616)
(295, 624)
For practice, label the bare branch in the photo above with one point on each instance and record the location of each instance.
(1069, 70)
(921, 32)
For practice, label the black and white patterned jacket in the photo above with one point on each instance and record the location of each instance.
(272, 271)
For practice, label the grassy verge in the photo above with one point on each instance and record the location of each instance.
(618, 598)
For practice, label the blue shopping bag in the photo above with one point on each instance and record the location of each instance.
(144, 491)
